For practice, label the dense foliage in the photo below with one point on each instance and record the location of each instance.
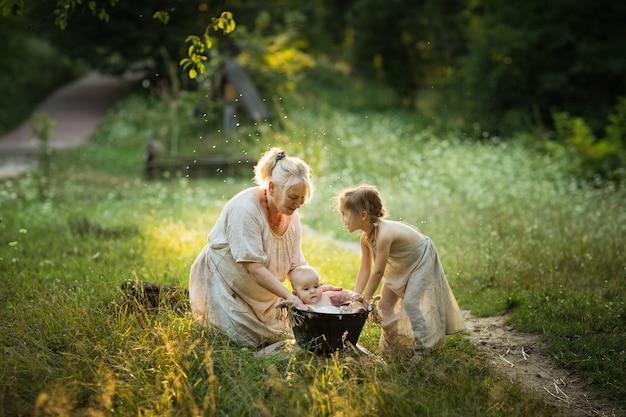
(532, 58)
(514, 63)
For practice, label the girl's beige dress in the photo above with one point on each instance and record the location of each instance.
(222, 293)
(417, 307)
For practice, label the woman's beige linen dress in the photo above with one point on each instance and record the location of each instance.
(222, 293)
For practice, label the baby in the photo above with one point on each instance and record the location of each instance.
(305, 282)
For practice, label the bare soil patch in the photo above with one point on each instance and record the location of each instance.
(525, 359)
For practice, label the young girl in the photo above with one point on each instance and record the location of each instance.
(417, 308)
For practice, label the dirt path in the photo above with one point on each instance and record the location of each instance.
(76, 110)
(524, 358)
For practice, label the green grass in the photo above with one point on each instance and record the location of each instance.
(513, 231)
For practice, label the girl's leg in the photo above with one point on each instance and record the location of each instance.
(397, 335)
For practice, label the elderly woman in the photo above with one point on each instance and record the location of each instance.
(236, 280)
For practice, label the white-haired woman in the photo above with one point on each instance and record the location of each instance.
(237, 278)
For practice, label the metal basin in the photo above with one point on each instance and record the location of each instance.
(326, 332)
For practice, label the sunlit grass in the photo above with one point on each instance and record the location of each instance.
(513, 231)
(68, 330)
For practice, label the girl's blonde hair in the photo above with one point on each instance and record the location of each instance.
(286, 172)
(362, 198)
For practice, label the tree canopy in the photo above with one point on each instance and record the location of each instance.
(116, 34)
(511, 63)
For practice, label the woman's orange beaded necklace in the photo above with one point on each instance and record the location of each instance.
(267, 209)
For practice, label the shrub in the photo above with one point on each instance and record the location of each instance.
(596, 159)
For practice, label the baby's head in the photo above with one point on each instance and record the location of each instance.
(305, 282)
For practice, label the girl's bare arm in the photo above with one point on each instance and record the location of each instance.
(383, 245)
(365, 268)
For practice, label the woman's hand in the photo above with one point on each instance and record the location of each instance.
(297, 303)
(328, 287)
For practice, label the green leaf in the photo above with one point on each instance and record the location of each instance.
(163, 16)
(103, 15)
(10, 7)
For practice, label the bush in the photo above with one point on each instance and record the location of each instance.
(596, 159)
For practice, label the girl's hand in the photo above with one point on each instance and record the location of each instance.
(356, 307)
(356, 297)
(328, 287)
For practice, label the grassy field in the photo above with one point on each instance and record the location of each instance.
(514, 232)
